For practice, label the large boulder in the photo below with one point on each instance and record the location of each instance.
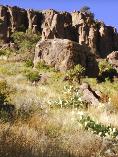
(64, 54)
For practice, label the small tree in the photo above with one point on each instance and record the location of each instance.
(87, 10)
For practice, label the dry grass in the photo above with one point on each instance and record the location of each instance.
(50, 132)
(104, 115)
(114, 100)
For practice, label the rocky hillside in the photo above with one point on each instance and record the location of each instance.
(58, 84)
(76, 26)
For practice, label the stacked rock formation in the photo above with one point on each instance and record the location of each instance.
(76, 26)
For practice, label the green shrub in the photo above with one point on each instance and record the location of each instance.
(76, 73)
(25, 41)
(2, 53)
(103, 66)
(42, 65)
(6, 109)
(3, 92)
(32, 76)
(106, 72)
(29, 63)
(6, 52)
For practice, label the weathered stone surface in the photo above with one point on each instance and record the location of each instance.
(34, 20)
(113, 55)
(107, 40)
(100, 38)
(64, 54)
(113, 59)
(17, 19)
(89, 95)
(86, 28)
(56, 25)
(3, 23)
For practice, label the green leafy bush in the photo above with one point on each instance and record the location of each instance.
(2, 53)
(103, 66)
(6, 109)
(25, 41)
(6, 52)
(3, 92)
(33, 76)
(76, 73)
(107, 72)
(29, 63)
(42, 65)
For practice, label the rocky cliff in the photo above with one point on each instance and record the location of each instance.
(75, 26)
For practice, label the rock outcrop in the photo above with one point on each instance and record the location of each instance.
(16, 19)
(3, 23)
(113, 59)
(89, 95)
(77, 26)
(56, 25)
(64, 54)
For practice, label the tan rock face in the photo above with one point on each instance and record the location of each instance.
(107, 40)
(34, 20)
(3, 23)
(64, 54)
(56, 25)
(113, 59)
(100, 38)
(85, 27)
(17, 18)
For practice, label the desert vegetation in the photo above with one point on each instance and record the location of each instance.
(46, 112)
(49, 117)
